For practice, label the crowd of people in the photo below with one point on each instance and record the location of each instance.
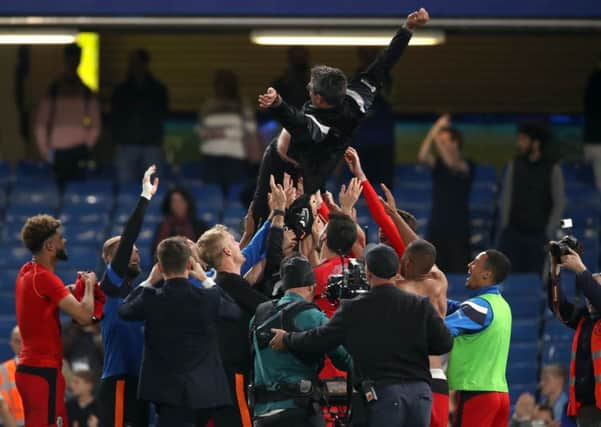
(300, 322)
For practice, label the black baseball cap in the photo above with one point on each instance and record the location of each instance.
(297, 272)
(381, 260)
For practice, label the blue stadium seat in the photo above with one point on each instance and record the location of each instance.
(485, 175)
(82, 257)
(8, 277)
(235, 192)
(42, 200)
(33, 171)
(584, 196)
(408, 172)
(18, 214)
(480, 196)
(522, 373)
(557, 352)
(528, 284)
(208, 214)
(521, 353)
(578, 172)
(5, 350)
(7, 321)
(206, 194)
(524, 307)
(556, 331)
(7, 306)
(524, 330)
(83, 234)
(85, 214)
(67, 275)
(5, 172)
(190, 170)
(11, 233)
(456, 283)
(13, 256)
(234, 213)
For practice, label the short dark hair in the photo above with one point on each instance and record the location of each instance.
(72, 51)
(422, 254)
(536, 132)
(142, 55)
(341, 234)
(37, 230)
(329, 82)
(556, 369)
(173, 254)
(409, 218)
(498, 264)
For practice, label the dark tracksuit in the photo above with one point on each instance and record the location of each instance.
(319, 136)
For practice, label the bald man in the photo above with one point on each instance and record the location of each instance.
(419, 275)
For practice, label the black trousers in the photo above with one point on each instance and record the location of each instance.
(70, 164)
(118, 403)
(172, 416)
(237, 414)
(272, 164)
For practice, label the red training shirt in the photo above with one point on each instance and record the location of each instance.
(38, 292)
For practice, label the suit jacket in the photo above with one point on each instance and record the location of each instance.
(181, 364)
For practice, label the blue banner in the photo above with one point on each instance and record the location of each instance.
(306, 8)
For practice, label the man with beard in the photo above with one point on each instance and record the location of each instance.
(314, 138)
(39, 294)
(123, 341)
(532, 200)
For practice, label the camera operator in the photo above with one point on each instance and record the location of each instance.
(390, 334)
(585, 366)
(282, 381)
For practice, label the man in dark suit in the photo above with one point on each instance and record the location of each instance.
(182, 372)
(389, 333)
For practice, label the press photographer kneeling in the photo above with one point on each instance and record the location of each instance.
(585, 365)
(390, 334)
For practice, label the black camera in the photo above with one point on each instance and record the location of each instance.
(351, 283)
(562, 247)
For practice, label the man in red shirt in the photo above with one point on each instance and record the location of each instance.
(39, 295)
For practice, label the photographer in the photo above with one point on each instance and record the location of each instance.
(279, 377)
(390, 334)
(585, 366)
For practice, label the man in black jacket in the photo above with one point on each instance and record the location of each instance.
(182, 372)
(315, 137)
(389, 333)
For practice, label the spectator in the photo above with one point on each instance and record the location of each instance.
(82, 408)
(179, 217)
(82, 347)
(527, 414)
(532, 201)
(552, 384)
(228, 132)
(374, 139)
(139, 108)
(68, 121)
(592, 122)
(8, 389)
(452, 177)
(292, 84)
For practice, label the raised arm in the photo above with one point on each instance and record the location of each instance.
(425, 155)
(120, 261)
(374, 205)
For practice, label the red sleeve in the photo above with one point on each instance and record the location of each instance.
(51, 287)
(324, 212)
(382, 219)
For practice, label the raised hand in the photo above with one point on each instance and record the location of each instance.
(289, 189)
(149, 188)
(349, 195)
(328, 199)
(277, 196)
(269, 99)
(389, 203)
(417, 19)
(354, 163)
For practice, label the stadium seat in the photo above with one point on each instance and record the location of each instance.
(522, 373)
(7, 321)
(555, 331)
(485, 176)
(206, 194)
(524, 330)
(84, 214)
(33, 171)
(5, 350)
(8, 277)
(557, 352)
(18, 214)
(521, 353)
(83, 234)
(7, 308)
(11, 232)
(410, 172)
(43, 199)
(524, 307)
(82, 258)
(5, 172)
(578, 172)
(190, 170)
(527, 284)
(233, 215)
(208, 214)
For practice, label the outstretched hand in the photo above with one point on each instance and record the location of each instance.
(349, 195)
(269, 99)
(149, 188)
(417, 19)
(389, 203)
(354, 163)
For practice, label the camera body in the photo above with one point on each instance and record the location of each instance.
(350, 284)
(562, 247)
